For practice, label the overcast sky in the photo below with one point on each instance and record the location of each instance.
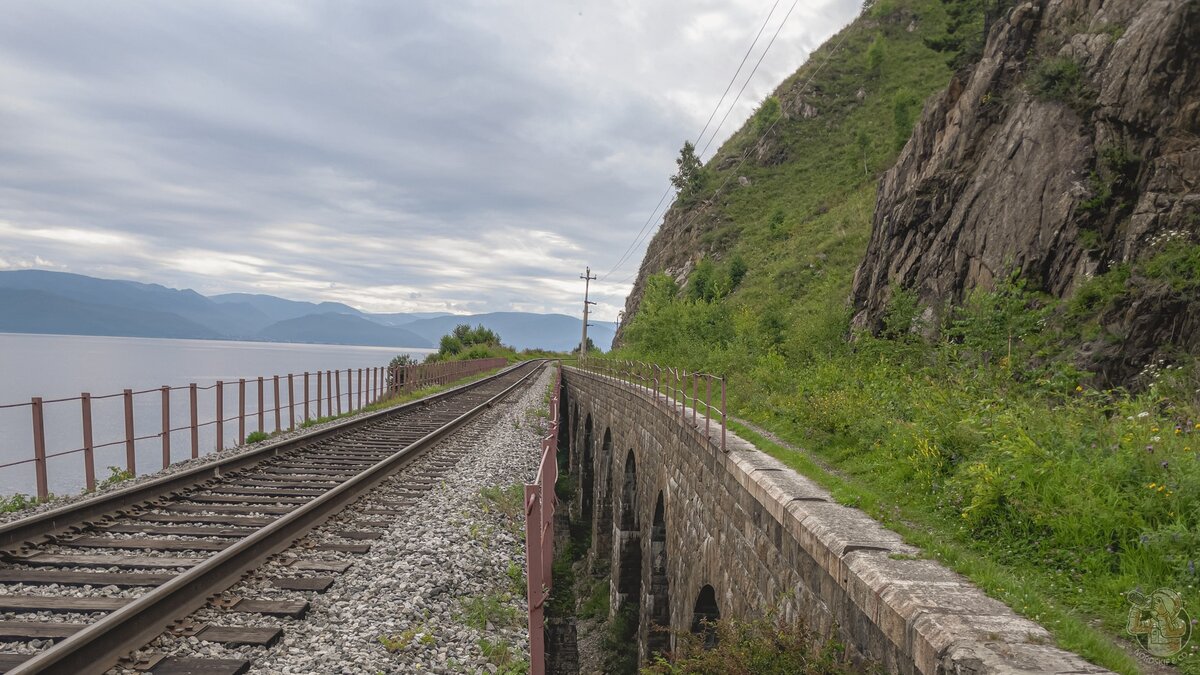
(457, 155)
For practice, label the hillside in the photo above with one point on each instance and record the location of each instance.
(972, 405)
(44, 301)
(341, 329)
(28, 311)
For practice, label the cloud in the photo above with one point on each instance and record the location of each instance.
(397, 156)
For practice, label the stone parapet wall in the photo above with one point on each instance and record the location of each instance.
(765, 538)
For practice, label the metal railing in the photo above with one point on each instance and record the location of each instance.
(540, 502)
(322, 395)
(670, 387)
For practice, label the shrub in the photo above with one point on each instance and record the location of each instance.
(905, 106)
(767, 115)
(1061, 79)
(256, 436)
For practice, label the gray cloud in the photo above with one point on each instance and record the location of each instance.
(469, 156)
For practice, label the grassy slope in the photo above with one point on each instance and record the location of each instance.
(1054, 498)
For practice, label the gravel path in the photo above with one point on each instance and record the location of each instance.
(442, 591)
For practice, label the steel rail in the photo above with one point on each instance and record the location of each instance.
(101, 645)
(43, 527)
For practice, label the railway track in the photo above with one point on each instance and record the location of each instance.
(83, 586)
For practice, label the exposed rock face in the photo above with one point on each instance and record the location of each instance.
(1000, 175)
(674, 250)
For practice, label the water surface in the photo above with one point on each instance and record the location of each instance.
(63, 366)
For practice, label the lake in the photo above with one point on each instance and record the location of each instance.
(62, 366)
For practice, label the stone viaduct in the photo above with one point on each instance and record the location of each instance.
(689, 533)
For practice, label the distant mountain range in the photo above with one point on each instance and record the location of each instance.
(41, 301)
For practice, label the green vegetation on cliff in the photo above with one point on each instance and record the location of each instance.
(977, 439)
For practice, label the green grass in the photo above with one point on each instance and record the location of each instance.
(495, 608)
(500, 655)
(256, 436)
(987, 447)
(762, 647)
(17, 502)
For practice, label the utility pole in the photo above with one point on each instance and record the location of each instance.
(587, 277)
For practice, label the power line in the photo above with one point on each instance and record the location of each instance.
(762, 56)
(739, 70)
(749, 77)
(638, 237)
(768, 130)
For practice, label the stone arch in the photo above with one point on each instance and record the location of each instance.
(628, 548)
(587, 477)
(564, 422)
(628, 517)
(658, 596)
(706, 614)
(574, 426)
(602, 523)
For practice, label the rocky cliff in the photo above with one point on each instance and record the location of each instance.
(1071, 148)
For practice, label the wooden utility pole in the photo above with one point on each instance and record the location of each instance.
(587, 277)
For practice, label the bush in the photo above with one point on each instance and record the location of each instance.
(1061, 79)
(766, 116)
(905, 107)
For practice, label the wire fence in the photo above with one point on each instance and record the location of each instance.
(170, 417)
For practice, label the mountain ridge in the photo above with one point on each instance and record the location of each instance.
(46, 301)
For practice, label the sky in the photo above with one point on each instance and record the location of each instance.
(454, 155)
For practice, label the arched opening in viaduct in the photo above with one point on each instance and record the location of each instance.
(602, 524)
(705, 615)
(587, 478)
(658, 599)
(564, 423)
(629, 540)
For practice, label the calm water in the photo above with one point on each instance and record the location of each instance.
(60, 366)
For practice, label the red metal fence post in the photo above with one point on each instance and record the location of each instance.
(360, 389)
(695, 402)
(329, 393)
(707, 403)
(260, 405)
(337, 379)
(89, 455)
(220, 415)
(724, 423)
(241, 411)
(39, 448)
(130, 450)
(275, 381)
(320, 394)
(292, 402)
(193, 404)
(306, 403)
(166, 425)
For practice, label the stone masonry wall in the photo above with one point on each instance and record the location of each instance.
(763, 537)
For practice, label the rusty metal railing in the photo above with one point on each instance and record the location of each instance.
(539, 535)
(403, 379)
(669, 386)
(363, 387)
